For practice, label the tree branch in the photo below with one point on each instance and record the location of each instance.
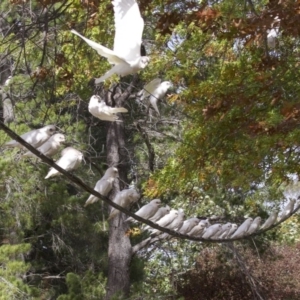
(90, 190)
(149, 146)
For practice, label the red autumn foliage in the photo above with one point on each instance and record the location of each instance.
(217, 275)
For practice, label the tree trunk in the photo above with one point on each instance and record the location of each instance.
(119, 249)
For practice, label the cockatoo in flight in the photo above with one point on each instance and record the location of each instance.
(99, 109)
(34, 137)
(126, 54)
(156, 90)
(70, 160)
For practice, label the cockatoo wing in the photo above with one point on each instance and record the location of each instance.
(70, 160)
(150, 87)
(254, 225)
(197, 230)
(129, 26)
(270, 221)
(112, 110)
(242, 229)
(103, 186)
(34, 137)
(46, 149)
(124, 199)
(103, 51)
(148, 210)
(211, 230)
(288, 209)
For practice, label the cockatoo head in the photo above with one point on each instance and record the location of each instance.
(156, 202)
(95, 99)
(49, 129)
(59, 138)
(196, 222)
(112, 172)
(166, 84)
(144, 60)
(134, 195)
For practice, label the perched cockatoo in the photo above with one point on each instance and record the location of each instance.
(124, 198)
(288, 209)
(254, 225)
(242, 229)
(198, 229)
(126, 55)
(271, 38)
(167, 219)
(273, 33)
(99, 109)
(228, 231)
(104, 185)
(70, 160)
(8, 110)
(156, 90)
(147, 211)
(177, 223)
(270, 221)
(211, 230)
(188, 225)
(160, 213)
(51, 146)
(174, 220)
(231, 231)
(225, 228)
(35, 137)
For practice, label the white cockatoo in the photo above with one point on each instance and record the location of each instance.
(147, 211)
(51, 146)
(156, 90)
(231, 231)
(124, 198)
(174, 220)
(99, 109)
(211, 230)
(177, 223)
(242, 229)
(219, 234)
(160, 213)
(198, 229)
(270, 221)
(8, 110)
(288, 209)
(35, 137)
(167, 219)
(70, 160)
(273, 33)
(254, 225)
(126, 54)
(271, 38)
(104, 185)
(188, 225)
(228, 231)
